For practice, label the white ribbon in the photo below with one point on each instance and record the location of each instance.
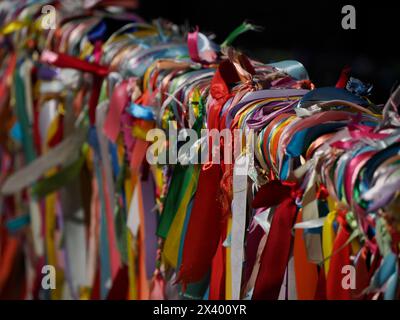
(238, 222)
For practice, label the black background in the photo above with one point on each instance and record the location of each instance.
(307, 31)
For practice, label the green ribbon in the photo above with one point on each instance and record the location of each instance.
(180, 180)
(244, 27)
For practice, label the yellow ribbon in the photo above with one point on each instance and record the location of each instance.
(172, 242)
(328, 237)
(13, 26)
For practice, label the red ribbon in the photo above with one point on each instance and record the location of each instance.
(204, 228)
(344, 77)
(276, 254)
(362, 276)
(62, 60)
(206, 219)
(217, 279)
(120, 286)
(320, 292)
(340, 258)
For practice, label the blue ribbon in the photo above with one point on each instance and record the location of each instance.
(13, 225)
(97, 32)
(141, 112)
(330, 93)
(16, 132)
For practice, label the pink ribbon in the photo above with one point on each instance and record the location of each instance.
(192, 45)
(118, 102)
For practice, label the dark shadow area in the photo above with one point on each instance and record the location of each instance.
(307, 31)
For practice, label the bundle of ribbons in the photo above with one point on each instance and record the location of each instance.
(307, 208)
